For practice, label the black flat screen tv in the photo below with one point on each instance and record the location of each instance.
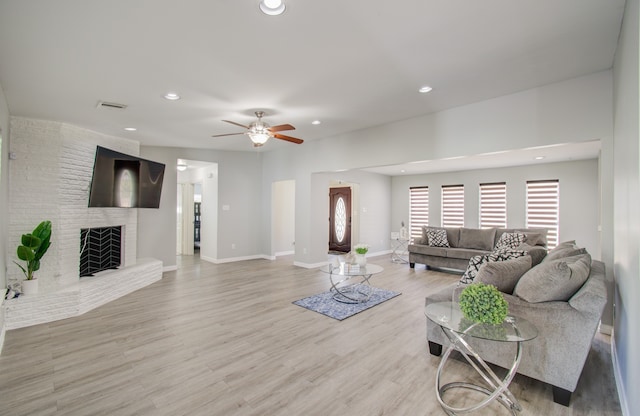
(125, 181)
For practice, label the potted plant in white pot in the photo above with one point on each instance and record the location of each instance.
(33, 246)
(361, 252)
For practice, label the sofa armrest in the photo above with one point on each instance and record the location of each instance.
(592, 296)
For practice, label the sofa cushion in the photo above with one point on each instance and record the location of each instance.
(537, 253)
(510, 241)
(482, 239)
(533, 236)
(437, 238)
(555, 280)
(464, 253)
(564, 249)
(504, 274)
(428, 251)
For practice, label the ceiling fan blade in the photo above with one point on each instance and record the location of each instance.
(236, 124)
(281, 127)
(288, 138)
(228, 134)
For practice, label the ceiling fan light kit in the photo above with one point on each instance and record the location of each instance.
(259, 131)
(272, 7)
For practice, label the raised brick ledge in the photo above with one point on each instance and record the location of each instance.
(89, 293)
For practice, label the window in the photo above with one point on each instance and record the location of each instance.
(493, 205)
(419, 210)
(543, 208)
(453, 205)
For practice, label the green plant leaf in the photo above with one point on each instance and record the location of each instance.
(25, 253)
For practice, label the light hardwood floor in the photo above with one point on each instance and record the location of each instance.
(227, 340)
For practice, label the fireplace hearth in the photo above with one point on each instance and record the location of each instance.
(100, 249)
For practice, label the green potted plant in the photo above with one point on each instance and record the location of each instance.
(483, 303)
(31, 249)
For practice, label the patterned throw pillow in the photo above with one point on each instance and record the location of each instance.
(510, 241)
(476, 262)
(472, 269)
(437, 238)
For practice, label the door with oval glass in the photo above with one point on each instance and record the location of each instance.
(340, 219)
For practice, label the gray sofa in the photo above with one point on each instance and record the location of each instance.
(465, 243)
(565, 327)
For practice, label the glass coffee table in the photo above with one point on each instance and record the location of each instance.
(350, 284)
(457, 328)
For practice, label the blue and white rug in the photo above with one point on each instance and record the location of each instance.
(326, 305)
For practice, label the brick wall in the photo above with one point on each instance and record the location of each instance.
(50, 179)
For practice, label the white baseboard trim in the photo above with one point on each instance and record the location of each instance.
(622, 396)
(234, 259)
(284, 253)
(170, 268)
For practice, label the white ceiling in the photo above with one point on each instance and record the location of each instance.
(351, 64)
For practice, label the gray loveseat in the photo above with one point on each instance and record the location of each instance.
(465, 243)
(565, 327)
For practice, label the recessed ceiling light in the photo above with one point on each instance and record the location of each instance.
(425, 89)
(182, 167)
(315, 122)
(130, 128)
(539, 157)
(272, 7)
(172, 96)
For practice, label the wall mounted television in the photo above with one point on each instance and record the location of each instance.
(125, 181)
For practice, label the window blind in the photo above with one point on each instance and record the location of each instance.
(543, 208)
(419, 210)
(453, 205)
(493, 205)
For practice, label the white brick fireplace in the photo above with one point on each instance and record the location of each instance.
(50, 176)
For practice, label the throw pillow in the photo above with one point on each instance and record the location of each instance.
(565, 249)
(504, 274)
(537, 253)
(472, 269)
(556, 280)
(510, 241)
(477, 238)
(437, 238)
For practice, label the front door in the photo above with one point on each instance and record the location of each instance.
(340, 219)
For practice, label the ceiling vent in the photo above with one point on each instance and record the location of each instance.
(106, 104)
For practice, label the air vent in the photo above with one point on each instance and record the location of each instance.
(106, 104)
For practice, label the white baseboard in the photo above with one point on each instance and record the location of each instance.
(169, 268)
(622, 396)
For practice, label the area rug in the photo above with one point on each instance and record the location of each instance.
(326, 305)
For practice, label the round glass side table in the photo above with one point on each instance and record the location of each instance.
(457, 329)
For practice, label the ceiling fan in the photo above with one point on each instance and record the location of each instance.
(260, 132)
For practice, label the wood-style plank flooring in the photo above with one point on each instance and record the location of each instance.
(226, 340)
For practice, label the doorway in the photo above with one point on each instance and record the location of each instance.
(197, 214)
(340, 217)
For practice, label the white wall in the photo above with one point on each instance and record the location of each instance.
(571, 111)
(626, 193)
(238, 187)
(579, 196)
(283, 201)
(209, 219)
(4, 198)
